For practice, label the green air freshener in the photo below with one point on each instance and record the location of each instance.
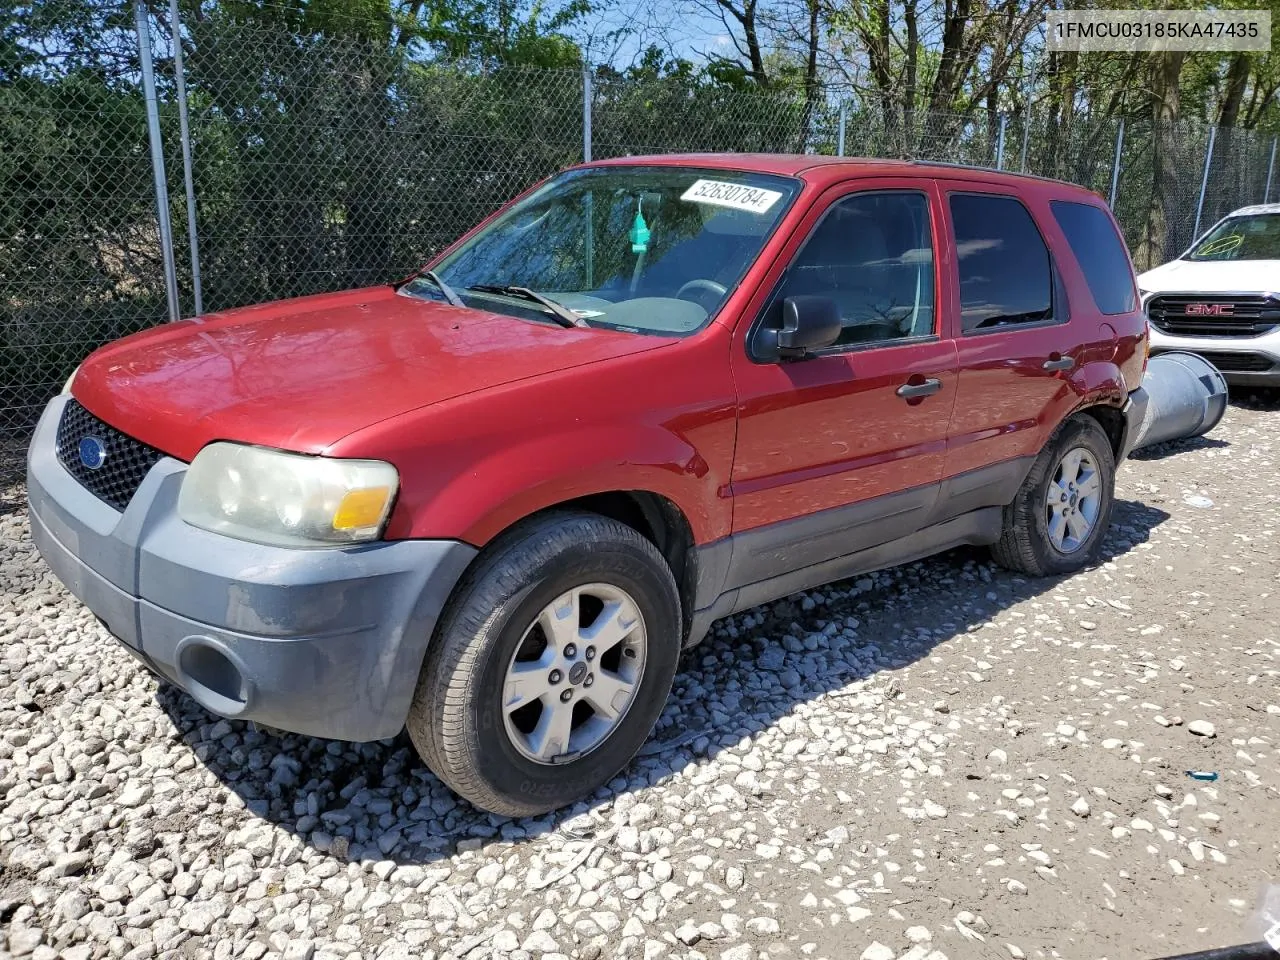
(639, 233)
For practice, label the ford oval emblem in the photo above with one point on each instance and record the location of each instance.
(93, 453)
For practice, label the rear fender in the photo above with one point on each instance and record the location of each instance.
(1100, 383)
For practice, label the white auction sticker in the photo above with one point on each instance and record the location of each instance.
(735, 196)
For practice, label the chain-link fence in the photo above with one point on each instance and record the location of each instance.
(80, 254)
(321, 162)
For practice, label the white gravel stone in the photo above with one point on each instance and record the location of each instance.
(70, 864)
(197, 919)
(790, 797)
(506, 941)
(539, 942)
(1202, 728)
(763, 926)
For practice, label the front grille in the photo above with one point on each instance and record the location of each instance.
(1239, 362)
(1247, 316)
(125, 463)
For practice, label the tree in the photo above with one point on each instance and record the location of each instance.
(946, 59)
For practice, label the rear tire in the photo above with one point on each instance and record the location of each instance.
(1059, 518)
(550, 666)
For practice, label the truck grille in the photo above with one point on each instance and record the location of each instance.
(1205, 315)
(125, 463)
(1238, 362)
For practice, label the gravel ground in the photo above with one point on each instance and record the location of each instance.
(940, 761)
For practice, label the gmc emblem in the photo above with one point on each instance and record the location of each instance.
(1209, 309)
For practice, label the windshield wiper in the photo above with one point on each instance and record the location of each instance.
(564, 316)
(449, 293)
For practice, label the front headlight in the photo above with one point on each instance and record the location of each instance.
(66, 387)
(286, 499)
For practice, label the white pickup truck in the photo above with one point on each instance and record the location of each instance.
(1221, 299)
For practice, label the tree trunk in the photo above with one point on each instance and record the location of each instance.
(812, 90)
(948, 77)
(1237, 79)
(876, 35)
(1156, 244)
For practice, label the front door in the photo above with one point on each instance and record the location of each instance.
(844, 450)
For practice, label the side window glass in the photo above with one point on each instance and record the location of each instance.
(872, 254)
(1005, 274)
(1100, 252)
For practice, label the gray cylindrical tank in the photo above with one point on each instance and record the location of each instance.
(1187, 398)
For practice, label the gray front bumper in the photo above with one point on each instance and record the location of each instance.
(326, 642)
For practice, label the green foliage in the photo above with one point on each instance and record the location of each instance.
(339, 143)
(79, 253)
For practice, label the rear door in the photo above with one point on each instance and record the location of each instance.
(843, 450)
(1015, 345)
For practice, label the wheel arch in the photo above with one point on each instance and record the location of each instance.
(1102, 391)
(1111, 419)
(656, 517)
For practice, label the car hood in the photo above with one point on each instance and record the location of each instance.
(301, 374)
(1213, 276)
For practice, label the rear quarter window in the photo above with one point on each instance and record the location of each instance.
(1100, 252)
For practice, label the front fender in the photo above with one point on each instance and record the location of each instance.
(514, 481)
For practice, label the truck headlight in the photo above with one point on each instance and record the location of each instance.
(286, 499)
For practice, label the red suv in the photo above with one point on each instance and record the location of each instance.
(495, 501)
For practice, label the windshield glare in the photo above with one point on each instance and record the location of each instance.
(646, 249)
(1254, 237)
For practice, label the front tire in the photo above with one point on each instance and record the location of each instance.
(1059, 518)
(550, 666)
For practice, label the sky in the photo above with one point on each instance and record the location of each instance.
(678, 26)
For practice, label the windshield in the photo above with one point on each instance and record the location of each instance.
(639, 248)
(1254, 237)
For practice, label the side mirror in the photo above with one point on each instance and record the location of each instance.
(808, 323)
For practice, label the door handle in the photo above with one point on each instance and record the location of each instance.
(926, 388)
(1061, 363)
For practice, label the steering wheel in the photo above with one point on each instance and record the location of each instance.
(710, 286)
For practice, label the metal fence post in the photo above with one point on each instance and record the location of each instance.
(586, 113)
(185, 130)
(1026, 120)
(1204, 180)
(844, 121)
(1271, 168)
(1026, 138)
(590, 210)
(157, 158)
(1115, 165)
(1004, 121)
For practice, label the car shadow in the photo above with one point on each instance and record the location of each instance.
(377, 802)
(1254, 398)
(1158, 451)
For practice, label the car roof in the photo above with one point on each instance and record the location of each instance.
(1256, 209)
(823, 170)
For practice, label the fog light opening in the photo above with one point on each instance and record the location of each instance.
(212, 677)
